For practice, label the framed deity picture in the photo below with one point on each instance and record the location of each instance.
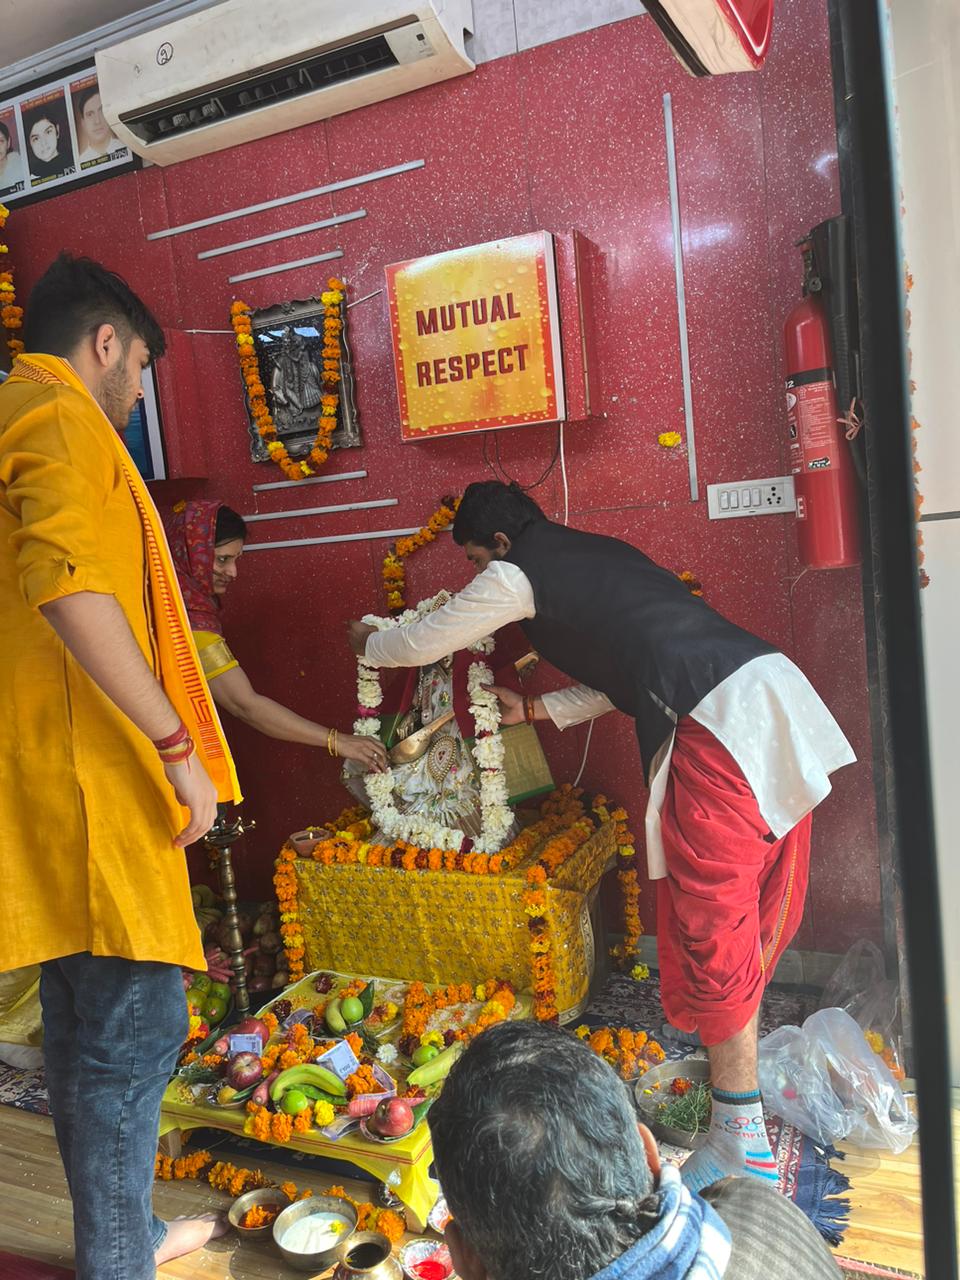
(288, 341)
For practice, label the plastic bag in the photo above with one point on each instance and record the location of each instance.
(860, 970)
(859, 988)
(824, 1078)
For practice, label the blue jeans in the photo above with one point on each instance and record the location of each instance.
(112, 1029)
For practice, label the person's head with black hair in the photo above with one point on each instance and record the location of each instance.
(490, 516)
(229, 535)
(4, 139)
(90, 316)
(540, 1157)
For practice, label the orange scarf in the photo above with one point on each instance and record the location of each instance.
(180, 671)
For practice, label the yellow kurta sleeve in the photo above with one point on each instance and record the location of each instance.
(215, 655)
(57, 476)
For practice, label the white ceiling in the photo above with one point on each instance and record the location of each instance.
(40, 37)
(31, 26)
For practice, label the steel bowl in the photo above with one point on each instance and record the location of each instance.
(321, 1261)
(265, 1195)
(696, 1069)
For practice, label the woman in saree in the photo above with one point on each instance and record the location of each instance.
(206, 539)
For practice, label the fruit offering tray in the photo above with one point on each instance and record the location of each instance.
(324, 988)
(344, 1066)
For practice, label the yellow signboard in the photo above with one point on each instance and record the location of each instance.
(476, 338)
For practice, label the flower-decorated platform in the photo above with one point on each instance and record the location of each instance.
(523, 914)
(399, 1015)
(404, 1165)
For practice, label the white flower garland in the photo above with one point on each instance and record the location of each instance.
(496, 816)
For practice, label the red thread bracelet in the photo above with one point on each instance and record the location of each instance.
(181, 734)
(176, 755)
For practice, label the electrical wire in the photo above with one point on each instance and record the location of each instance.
(586, 752)
(500, 472)
(563, 474)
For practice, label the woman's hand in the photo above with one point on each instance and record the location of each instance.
(511, 705)
(369, 753)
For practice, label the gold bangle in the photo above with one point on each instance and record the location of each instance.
(336, 748)
(329, 742)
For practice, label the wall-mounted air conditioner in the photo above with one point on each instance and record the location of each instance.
(243, 70)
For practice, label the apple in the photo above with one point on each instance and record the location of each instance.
(392, 1118)
(244, 1069)
(251, 1027)
(424, 1054)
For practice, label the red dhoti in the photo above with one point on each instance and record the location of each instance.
(733, 896)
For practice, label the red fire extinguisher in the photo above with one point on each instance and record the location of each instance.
(825, 480)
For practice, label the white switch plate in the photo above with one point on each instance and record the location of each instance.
(771, 497)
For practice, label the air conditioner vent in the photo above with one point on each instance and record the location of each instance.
(238, 71)
(252, 92)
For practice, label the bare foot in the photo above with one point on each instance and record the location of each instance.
(186, 1234)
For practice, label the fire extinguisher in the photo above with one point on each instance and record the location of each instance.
(821, 460)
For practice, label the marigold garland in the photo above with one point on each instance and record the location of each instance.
(331, 353)
(11, 316)
(554, 854)
(394, 572)
(291, 927)
(562, 829)
(235, 1181)
(628, 876)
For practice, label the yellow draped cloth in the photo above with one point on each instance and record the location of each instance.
(87, 817)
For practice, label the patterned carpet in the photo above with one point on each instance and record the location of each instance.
(624, 1003)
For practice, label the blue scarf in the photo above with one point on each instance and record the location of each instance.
(689, 1242)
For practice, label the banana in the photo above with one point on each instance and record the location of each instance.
(307, 1073)
(334, 1018)
(437, 1068)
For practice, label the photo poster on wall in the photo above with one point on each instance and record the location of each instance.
(54, 137)
(476, 338)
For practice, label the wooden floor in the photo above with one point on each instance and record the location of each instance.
(35, 1212)
(884, 1226)
(35, 1216)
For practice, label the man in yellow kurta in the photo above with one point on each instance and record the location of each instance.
(111, 758)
